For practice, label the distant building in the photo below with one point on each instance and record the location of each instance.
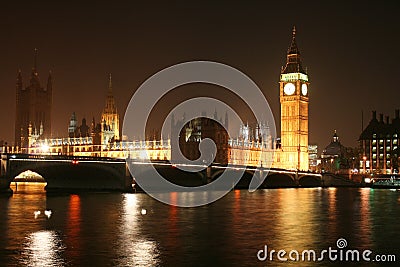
(290, 151)
(78, 131)
(194, 131)
(33, 108)
(337, 158)
(379, 143)
(246, 149)
(313, 160)
(108, 130)
(334, 155)
(84, 130)
(82, 139)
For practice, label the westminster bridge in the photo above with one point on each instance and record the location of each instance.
(73, 173)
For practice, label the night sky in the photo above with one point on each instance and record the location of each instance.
(351, 50)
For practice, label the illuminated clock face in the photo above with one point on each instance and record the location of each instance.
(304, 89)
(289, 89)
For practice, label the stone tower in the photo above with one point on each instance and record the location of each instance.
(109, 118)
(33, 107)
(294, 99)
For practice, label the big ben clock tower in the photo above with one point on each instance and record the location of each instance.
(294, 99)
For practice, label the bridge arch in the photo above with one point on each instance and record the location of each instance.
(275, 180)
(309, 181)
(74, 175)
(28, 176)
(244, 181)
(171, 174)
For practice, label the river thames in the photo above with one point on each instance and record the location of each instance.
(241, 229)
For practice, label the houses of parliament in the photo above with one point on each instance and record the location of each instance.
(104, 139)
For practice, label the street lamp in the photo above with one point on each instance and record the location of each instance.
(45, 148)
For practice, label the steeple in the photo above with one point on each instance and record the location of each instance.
(73, 124)
(93, 125)
(41, 128)
(110, 84)
(110, 107)
(110, 117)
(35, 54)
(293, 60)
(293, 49)
(34, 75)
(19, 81)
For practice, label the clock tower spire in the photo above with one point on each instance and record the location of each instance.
(294, 99)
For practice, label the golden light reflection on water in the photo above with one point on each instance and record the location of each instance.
(365, 217)
(43, 248)
(130, 213)
(144, 253)
(73, 240)
(111, 230)
(296, 218)
(22, 205)
(332, 212)
(134, 248)
(172, 230)
(28, 187)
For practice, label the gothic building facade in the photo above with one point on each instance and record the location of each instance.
(288, 152)
(83, 139)
(194, 131)
(33, 108)
(104, 132)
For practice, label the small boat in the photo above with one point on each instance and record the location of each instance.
(391, 182)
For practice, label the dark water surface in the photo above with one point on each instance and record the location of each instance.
(102, 229)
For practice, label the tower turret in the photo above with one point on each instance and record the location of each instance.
(72, 125)
(110, 117)
(34, 81)
(41, 129)
(33, 105)
(293, 58)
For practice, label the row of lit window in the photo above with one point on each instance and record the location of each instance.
(381, 148)
(381, 156)
(388, 141)
(387, 136)
(374, 162)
